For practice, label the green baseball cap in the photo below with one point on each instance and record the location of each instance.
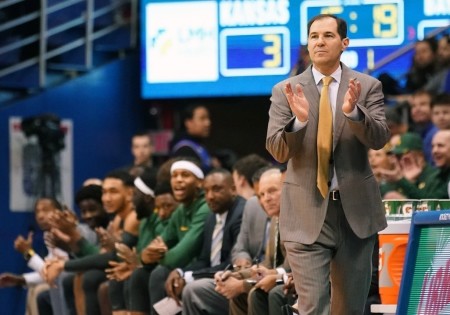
(409, 141)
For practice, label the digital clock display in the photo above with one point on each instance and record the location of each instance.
(243, 47)
(370, 23)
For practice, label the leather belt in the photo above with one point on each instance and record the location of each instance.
(334, 195)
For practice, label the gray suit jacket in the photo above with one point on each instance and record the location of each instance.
(250, 238)
(252, 231)
(303, 209)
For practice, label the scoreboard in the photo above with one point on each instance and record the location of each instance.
(219, 48)
(370, 23)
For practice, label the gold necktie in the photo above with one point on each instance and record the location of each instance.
(324, 138)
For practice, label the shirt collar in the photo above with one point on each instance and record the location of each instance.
(319, 76)
(221, 217)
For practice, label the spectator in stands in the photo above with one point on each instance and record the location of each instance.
(221, 230)
(189, 141)
(443, 52)
(440, 111)
(440, 82)
(141, 149)
(441, 157)
(421, 72)
(420, 111)
(381, 160)
(424, 65)
(180, 242)
(409, 169)
(243, 170)
(43, 209)
(414, 178)
(394, 118)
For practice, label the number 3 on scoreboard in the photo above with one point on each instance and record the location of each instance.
(273, 50)
(385, 21)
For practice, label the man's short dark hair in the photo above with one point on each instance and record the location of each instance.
(441, 100)
(55, 203)
(248, 165)
(422, 92)
(219, 170)
(341, 24)
(93, 192)
(393, 114)
(140, 134)
(162, 188)
(432, 42)
(226, 173)
(149, 178)
(125, 177)
(188, 112)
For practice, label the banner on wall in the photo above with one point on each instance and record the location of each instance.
(41, 151)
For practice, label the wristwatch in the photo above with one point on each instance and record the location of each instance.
(28, 254)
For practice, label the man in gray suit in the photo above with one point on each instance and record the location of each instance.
(329, 232)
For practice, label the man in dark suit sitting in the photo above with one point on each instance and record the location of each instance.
(221, 231)
(205, 296)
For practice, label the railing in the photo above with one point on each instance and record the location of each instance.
(92, 20)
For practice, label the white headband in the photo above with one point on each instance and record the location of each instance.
(139, 183)
(189, 166)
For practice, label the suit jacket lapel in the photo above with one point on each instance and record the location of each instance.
(339, 119)
(310, 89)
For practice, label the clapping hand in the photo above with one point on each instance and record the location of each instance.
(107, 238)
(154, 251)
(66, 221)
(23, 245)
(57, 239)
(52, 269)
(411, 166)
(119, 271)
(297, 102)
(127, 254)
(351, 96)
